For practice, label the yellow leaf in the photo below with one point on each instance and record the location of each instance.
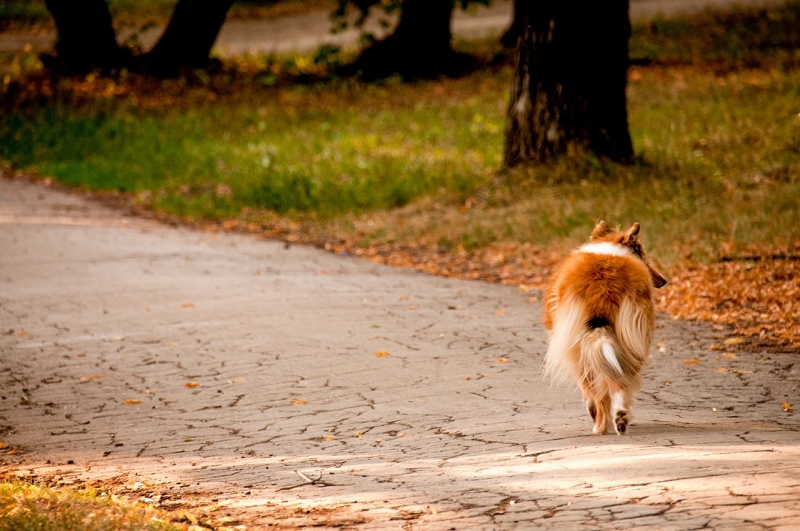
(733, 341)
(328, 437)
(188, 305)
(299, 402)
(786, 406)
(692, 361)
(91, 377)
(381, 354)
(191, 385)
(132, 401)
(715, 347)
(3, 445)
(722, 369)
(359, 435)
(403, 298)
(501, 360)
(730, 356)
(12, 452)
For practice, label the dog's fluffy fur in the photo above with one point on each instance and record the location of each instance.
(600, 314)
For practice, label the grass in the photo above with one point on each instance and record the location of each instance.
(34, 507)
(714, 119)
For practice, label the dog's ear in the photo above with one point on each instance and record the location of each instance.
(632, 232)
(600, 230)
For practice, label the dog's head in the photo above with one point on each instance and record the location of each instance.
(603, 233)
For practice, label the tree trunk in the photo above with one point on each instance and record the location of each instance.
(512, 34)
(86, 38)
(420, 46)
(190, 34)
(569, 83)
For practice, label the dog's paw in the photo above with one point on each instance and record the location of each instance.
(621, 422)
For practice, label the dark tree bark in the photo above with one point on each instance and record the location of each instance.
(86, 38)
(420, 46)
(569, 83)
(190, 34)
(512, 34)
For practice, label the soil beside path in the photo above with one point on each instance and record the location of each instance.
(200, 371)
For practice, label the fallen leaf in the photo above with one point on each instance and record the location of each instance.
(722, 369)
(187, 305)
(359, 435)
(22, 333)
(403, 298)
(381, 354)
(3, 445)
(80, 355)
(191, 385)
(328, 437)
(91, 377)
(786, 406)
(500, 312)
(501, 360)
(733, 341)
(741, 371)
(299, 402)
(730, 356)
(173, 344)
(692, 361)
(188, 439)
(715, 347)
(132, 401)
(324, 272)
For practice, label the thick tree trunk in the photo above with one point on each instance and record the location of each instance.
(190, 34)
(420, 46)
(569, 84)
(512, 34)
(86, 38)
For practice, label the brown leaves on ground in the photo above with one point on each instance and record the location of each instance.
(758, 294)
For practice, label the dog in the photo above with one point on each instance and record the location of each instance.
(600, 315)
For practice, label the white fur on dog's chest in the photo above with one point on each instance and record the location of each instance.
(607, 248)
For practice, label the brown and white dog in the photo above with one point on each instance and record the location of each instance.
(600, 313)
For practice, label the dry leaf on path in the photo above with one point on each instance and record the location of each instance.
(730, 356)
(188, 305)
(91, 377)
(132, 401)
(501, 360)
(381, 354)
(328, 437)
(733, 341)
(191, 385)
(786, 406)
(299, 402)
(3, 445)
(692, 361)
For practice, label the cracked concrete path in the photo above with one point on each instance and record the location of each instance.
(201, 371)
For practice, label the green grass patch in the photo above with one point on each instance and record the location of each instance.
(718, 157)
(33, 507)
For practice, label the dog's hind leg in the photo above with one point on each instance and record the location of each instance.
(602, 417)
(620, 410)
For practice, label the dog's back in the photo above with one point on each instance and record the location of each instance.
(600, 313)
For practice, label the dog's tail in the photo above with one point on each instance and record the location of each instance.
(588, 350)
(603, 361)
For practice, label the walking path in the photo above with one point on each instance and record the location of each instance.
(201, 371)
(304, 33)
